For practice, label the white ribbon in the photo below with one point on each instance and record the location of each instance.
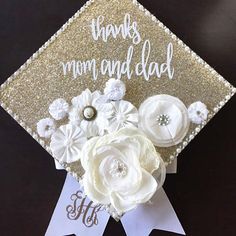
(157, 215)
(75, 214)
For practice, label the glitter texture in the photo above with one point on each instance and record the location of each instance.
(27, 94)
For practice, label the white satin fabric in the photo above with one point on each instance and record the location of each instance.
(164, 135)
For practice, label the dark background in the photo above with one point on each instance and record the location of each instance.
(203, 192)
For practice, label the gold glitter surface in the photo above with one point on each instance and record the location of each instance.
(31, 91)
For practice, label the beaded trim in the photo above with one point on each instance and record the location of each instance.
(167, 31)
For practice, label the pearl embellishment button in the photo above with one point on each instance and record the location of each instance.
(89, 113)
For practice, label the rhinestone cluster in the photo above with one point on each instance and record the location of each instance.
(118, 169)
(163, 120)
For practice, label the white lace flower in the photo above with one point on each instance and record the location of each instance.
(67, 142)
(118, 169)
(115, 89)
(46, 127)
(125, 114)
(198, 112)
(58, 109)
(164, 119)
(90, 113)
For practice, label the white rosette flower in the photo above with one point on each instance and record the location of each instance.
(125, 114)
(164, 119)
(67, 142)
(118, 169)
(91, 114)
(115, 89)
(58, 109)
(46, 127)
(198, 112)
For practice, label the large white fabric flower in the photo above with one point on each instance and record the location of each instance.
(125, 114)
(46, 127)
(58, 109)
(115, 89)
(88, 112)
(118, 169)
(198, 112)
(164, 119)
(67, 142)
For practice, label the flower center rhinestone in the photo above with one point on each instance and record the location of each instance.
(118, 169)
(163, 120)
(48, 128)
(198, 113)
(89, 113)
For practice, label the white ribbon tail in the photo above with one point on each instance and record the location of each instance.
(75, 214)
(157, 215)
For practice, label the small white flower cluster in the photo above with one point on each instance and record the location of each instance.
(90, 114)
(198, 112)
(114, 90)
(94, 114)
(115, 141)
(46, 127)
(58, 109)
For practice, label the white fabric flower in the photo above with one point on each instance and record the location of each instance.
(115, 89)
(125, 114)
(118, 169)
(88, 112)
(198, 112)
(58, 109)
(164, 119)
(67, 142)
(46, 127)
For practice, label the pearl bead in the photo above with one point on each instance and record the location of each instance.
(3, 85)
(22, 123)
(191, 137)
(222, 103)
(29, 130)
(89, 113)
(42, 142)
(197, 129)
(16, 117)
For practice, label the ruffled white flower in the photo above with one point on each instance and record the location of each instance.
(114, 90)
(164, 119)
(58, 109)
(118, 169)
(67, 142)
(46, 127)
(88, 112)
(125, 114)
(198, 112)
